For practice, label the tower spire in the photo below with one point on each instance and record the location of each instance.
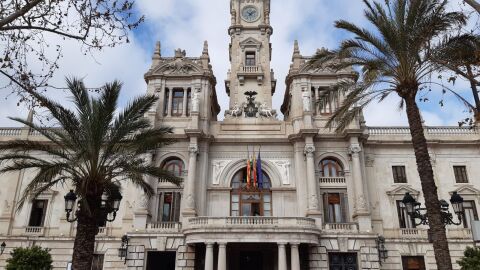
(157, 54)
(296, 50)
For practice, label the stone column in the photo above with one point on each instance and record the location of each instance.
(184, 108)
(222, 256)
(295, 257)
(313, 208)
(170, 98)
(361, 211)
(282, 257)
(209, 257)
(317, 96)
(189, 197)
(141, 205)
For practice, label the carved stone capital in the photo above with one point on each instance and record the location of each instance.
(193, 149)
(309, 149)
(355, 148)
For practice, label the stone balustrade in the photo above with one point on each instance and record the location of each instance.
(10, 132)
(332, 181)
(171, 227)
(341, 227)
(461, 233)
(251, 69)
(429, 131)
(256, 222)
(406, 233)
(34, 231)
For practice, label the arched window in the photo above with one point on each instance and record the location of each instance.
(331, 167)
(253, 200)
(175, 166)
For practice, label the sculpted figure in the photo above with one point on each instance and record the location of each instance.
(196, 101)
(306, 101)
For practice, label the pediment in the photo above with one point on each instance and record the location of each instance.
(401, 190)
(467, 190)
(179, 66)
(250, 42)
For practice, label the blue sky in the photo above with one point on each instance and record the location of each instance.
(187, 23)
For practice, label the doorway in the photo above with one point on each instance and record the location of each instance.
(342, 261)
(164, 260)
(251, 260)
(250, 256)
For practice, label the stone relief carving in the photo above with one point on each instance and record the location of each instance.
(307, 104)
(361, 203)
(265, 111)
(196, 100)
(283, 167)
(235, 111)
(218, 167)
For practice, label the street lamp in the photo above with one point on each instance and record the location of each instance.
(123, 250)
(110, 203)
(414, 210)
(70, 199)
(2, 248)
(382, 251)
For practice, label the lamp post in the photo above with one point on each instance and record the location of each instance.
(123, 250)
(382, 251)
(2, 248)
(110, 204)
(414, 210)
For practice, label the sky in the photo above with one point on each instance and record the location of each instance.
(186, 24)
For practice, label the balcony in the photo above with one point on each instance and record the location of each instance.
(332, 182)
(164, 227)
(252, 229)
(250, 71)
(341, 228)
(406, 233)
(460, 233)
(34, 231)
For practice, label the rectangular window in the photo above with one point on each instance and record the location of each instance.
(189, 101)
(469, 213)
(169, 206)
(405, 220)
(399, 174)
(250, 59)
(177, 102)
(335, 207)
(97, 261)
(460, 174)
(38, 212)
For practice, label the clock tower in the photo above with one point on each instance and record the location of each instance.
(250, 53)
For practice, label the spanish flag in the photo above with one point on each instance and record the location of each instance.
(248, 172)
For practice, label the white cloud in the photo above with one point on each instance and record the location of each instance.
(187, 23)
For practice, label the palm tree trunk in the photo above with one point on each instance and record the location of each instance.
(84, 243)
(473, 4)
(437, 228)
(473, 85)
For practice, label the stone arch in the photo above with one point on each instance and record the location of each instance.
(232, 168)
(165, 156)
(344, 162)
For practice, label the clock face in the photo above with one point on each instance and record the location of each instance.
(250, 13)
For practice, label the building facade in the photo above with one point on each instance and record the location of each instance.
(319, 200)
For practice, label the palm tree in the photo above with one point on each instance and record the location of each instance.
(395, 57)
(92, 150)
(461, 54)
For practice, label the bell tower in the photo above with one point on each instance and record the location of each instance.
(250, 53)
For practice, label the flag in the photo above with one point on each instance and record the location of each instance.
(248, 168)
(254, 165)
(259, 171)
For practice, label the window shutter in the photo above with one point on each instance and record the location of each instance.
(344, 206)
(325, 208)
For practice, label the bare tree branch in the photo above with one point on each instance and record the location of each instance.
(19, 13)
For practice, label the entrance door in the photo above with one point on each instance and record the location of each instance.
(157, 260)
(343, 261)
(413, 263)
(251, 260)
